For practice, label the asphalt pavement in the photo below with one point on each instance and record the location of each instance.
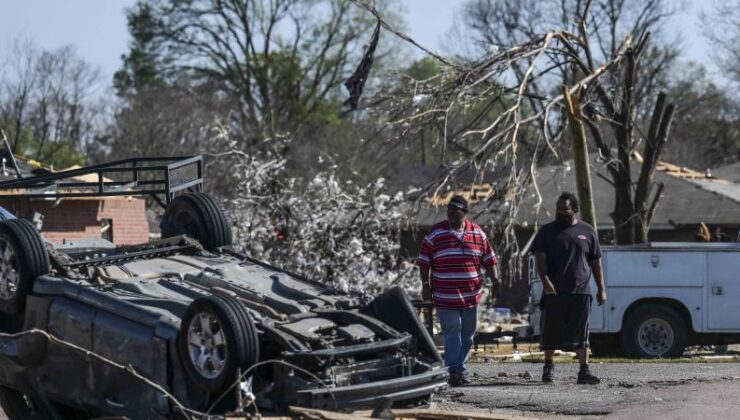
(628, 391)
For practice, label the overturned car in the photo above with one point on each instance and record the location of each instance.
(186, 326)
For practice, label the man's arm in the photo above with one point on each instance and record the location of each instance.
(541, 259)
(599, 277)
(492, 274)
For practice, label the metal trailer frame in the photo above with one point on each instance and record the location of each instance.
(162, 180)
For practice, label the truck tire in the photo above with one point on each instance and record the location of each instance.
(654, 331)
(394, 308)
(198, 215)
(217, 339)
(22, 259)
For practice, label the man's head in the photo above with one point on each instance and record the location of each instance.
(456, 209)
(566, 208)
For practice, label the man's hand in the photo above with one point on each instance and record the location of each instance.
(601, 297)
(494, 291)
(598, 272)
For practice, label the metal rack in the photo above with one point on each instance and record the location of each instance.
(159, 177)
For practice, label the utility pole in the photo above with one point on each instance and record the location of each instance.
(580, 159)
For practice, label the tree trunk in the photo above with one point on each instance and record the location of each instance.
(624, 225)
(580, 159)
(660, 125)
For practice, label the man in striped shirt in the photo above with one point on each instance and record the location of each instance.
(454, 251)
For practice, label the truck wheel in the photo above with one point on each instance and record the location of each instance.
(198, 215)
(654, 331)
(217, 338)
(22, 259)
(605, 345)
(394, 308)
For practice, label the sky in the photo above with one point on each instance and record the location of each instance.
(97, 28)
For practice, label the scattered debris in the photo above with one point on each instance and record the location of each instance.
(421, 414)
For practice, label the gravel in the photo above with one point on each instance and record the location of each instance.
(622, 383)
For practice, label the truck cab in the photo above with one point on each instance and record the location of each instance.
(661, 298)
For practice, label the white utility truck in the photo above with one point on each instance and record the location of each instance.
(661, 297)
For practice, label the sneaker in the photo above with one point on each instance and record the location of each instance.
(457, 379)
(586, 378)
(454, 379)
(548, 373)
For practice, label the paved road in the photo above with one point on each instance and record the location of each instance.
(627, 391)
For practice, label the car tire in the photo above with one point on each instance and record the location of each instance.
(217, 339)
(22, 259)
(198, 215)
(605, 345)
(394, 308)
(654, 331)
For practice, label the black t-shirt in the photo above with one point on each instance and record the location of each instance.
(570, 250)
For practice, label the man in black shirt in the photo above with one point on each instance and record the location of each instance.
(567, 251)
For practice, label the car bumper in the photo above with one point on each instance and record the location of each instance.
(369, 394)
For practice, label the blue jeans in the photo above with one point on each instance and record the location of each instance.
(458, 329)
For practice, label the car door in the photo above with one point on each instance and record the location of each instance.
(68, 373)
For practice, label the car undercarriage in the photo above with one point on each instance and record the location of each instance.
(186, 326)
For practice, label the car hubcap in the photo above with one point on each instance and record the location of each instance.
(8, 270)
(207, 345)
(655, 336)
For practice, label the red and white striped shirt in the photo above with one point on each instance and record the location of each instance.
(456, 264)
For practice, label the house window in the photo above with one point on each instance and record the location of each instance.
(106, 229)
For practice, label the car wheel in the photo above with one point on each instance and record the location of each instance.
(217, 339)
(654, 331)
(197, 215)
(22, 259)
(394, 308)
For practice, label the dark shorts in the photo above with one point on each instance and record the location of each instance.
(564, 322)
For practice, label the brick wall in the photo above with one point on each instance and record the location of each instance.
(129, 220)
(77, 219)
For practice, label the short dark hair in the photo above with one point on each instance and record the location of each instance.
(565, 195)
(458, 202)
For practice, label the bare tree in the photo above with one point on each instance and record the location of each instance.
(615, 106)
(18, 83)
(503, 121)
(48, 103)
(722, 28)
(500, 24)
(706, 128)
(280, 59)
